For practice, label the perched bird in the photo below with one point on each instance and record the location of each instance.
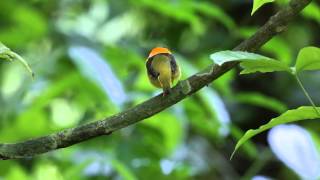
(162, 69)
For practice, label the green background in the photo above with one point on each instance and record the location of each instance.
(191, 140)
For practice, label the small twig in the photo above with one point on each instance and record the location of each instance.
(307, 94)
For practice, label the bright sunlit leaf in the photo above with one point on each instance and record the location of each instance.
(17, 172)
(63, 113)
(251, 62)
(312, 11)
(48, 170)
(258, 3)
(302, 113)
(308, 59)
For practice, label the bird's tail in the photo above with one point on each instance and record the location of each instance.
(165, 76)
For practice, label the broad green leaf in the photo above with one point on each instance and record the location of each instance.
(210, 9)
(4, 52)
(312, 11)
(263, 66)
(258, 3)
(47, 169)
(16, 172)
(186, 13)
(308, 59)
(261, 100)
(227, 56)
(249, 148)
(251, 62)
(7, 54)
(25, 24)
(302, 113)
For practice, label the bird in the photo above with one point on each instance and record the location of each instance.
(162, 69)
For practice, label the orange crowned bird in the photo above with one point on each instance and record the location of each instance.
(162, 69)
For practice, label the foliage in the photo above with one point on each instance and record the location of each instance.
(7, 54)
(250, 62)
(302, 113)
(193, 139)
(258, 3)
(308, 59)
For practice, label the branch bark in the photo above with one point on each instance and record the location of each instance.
(275, 25)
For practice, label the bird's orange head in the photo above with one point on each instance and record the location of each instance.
(158, 50)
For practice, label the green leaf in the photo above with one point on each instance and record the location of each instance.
(261, 100)
(4, 52)
(20, 18)
(258, 3)
(249, 148)
(251, 62)
(186, 13)
(312, 11)
(47, 169)
(302, 113)
(308, 59)
(227, 56)
(263, 66)
(7, 54)
(215, 12)
(17, 172)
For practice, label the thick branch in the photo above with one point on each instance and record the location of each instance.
(276, 24)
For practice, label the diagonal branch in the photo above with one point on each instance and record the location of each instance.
(275, 25)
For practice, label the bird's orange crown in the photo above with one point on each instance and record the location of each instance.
(158, 50)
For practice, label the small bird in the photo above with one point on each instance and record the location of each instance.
(162, 69)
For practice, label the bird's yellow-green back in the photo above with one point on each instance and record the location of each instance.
(161, 64)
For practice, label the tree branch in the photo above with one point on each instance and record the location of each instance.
(275, 25)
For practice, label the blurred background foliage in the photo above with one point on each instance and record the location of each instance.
(88, 58)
